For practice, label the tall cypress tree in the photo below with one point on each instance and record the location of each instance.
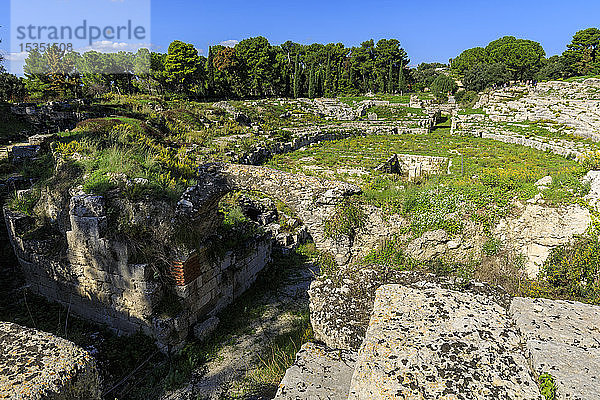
(210, 72)
(390, 80)
(327, 84)
(401, 79)
(297, 76)
(311, 82)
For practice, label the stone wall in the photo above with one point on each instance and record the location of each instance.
(79, 258)
(94, 274)
(86, 270)
(37, 365)
(222, 280)
(312, 199)
(415, 166)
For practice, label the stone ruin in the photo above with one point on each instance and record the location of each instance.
(36, 365)
(81, 265)
(53, 116)
(415, 166)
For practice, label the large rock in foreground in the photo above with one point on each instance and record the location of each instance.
(37, 365)
(319, 373)
(563, 339)
(437, 343)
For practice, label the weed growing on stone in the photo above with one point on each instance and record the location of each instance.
(547, 386)
(346, 220)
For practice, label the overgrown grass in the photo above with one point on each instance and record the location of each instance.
(493, 175)
(572, 271)
(346, 220)
(547, 386)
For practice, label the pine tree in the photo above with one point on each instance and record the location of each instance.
(297, 76)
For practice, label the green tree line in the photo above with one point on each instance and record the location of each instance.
(252, 68)
(511, 59)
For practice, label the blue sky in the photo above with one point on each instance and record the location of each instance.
(429, 31)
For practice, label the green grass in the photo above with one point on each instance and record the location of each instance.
(580, 78)
(494, 174)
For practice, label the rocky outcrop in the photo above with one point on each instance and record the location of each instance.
(341, 306)
(438, 343)
(334, 109)
(36, 365)
(573, 104)
(53, 116)
(562, 340)
(538, 229)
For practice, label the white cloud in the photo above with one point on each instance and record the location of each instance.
(16, 56)
(107, 46)
(229, 43)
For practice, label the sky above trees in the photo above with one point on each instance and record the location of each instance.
(431, 31)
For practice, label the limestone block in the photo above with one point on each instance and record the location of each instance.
(439, 343)
(319, 373)
(563, 339)
(36, 365)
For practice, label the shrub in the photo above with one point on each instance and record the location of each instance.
(491, 247)
(346, 220)
(591, 160)
(25, 203)
(573, 271)
(391, 255)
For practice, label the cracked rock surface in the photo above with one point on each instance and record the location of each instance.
(436, 343)
(37, 365)
(319, 373)
(563, 339)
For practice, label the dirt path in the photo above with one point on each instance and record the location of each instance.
(231, 372)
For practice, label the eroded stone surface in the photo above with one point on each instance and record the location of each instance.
(539, 229)
(38, 365)
(563, 339)
(440, 344)
(319, 373)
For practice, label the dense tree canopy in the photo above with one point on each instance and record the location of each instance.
(582, 53)
(470, 58)
(256, 68)
(252, 68)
